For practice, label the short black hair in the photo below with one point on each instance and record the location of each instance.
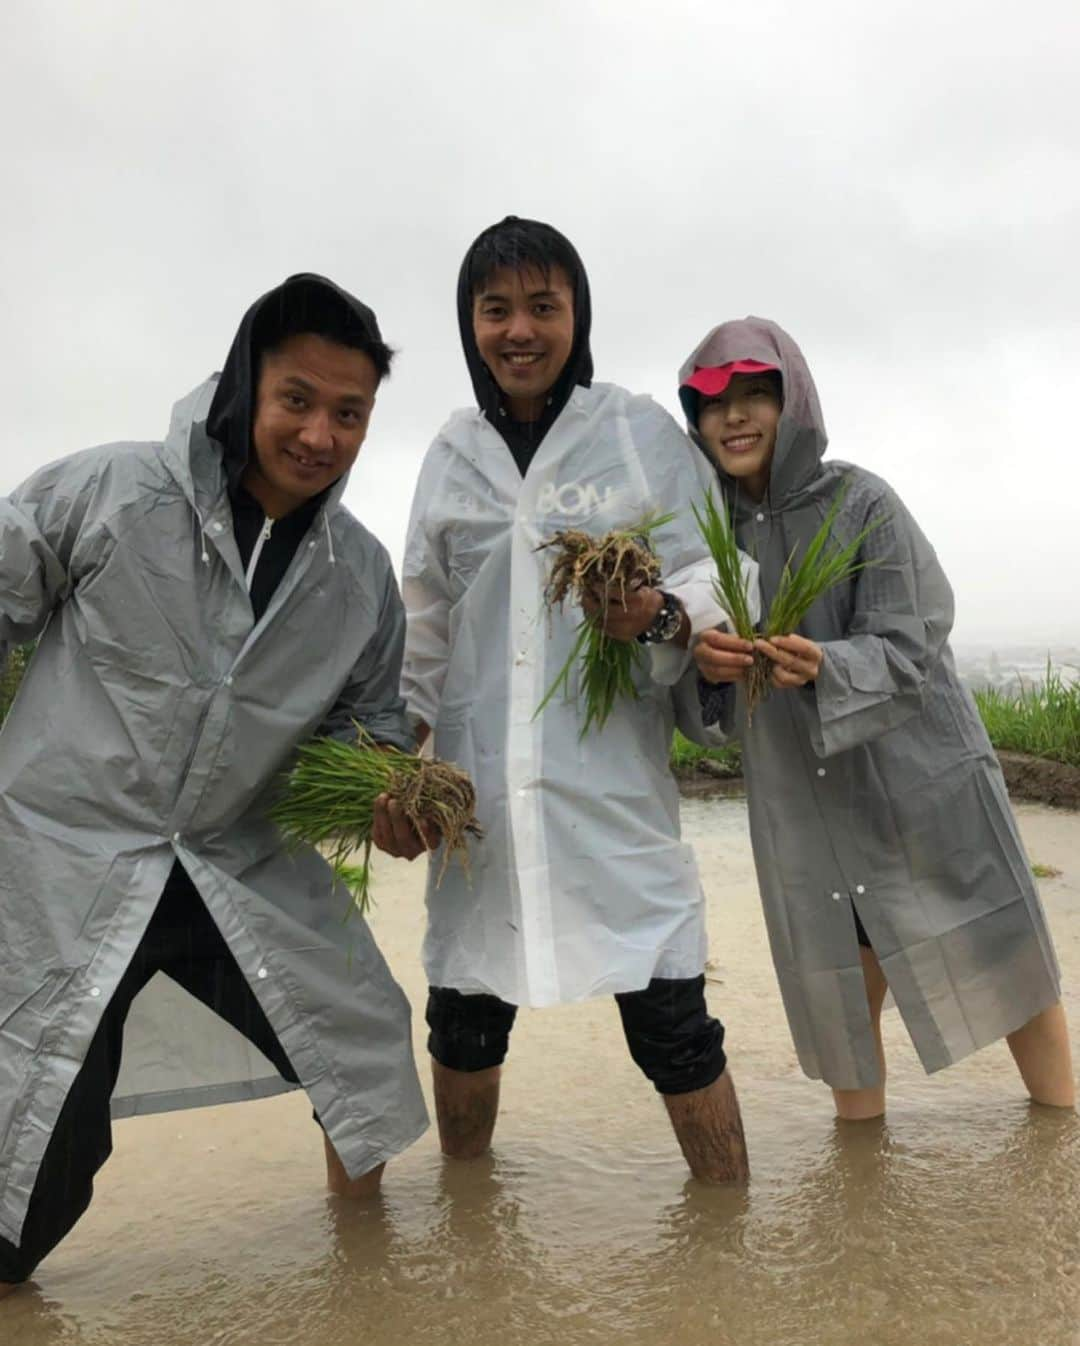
(320, 311)
(519, 245)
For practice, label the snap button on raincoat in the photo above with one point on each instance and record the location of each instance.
(877, 786)
(154, 719)
(581, 885)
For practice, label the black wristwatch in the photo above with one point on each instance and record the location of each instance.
(666, 623)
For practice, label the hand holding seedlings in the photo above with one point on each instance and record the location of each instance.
(394, 834)
(621, 613)
(612, 577)
(825, 563)
(796, 660)
(723, 657)
(337, 794)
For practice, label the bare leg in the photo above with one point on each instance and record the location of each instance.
(466, 1106)
(709, 1130)
(338, 1181)
(858, 1105)
(1042, 1055)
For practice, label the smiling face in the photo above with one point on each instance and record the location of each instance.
(738, 427)
(523, 322)
(312, 408)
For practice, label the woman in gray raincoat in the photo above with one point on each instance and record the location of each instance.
(886, 851)
(203, 606)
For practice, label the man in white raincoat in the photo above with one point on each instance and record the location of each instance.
(203, 605)
(581, 886)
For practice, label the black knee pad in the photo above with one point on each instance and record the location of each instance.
(672, 1037)
(468, 1032)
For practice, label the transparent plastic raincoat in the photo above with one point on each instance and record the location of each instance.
(581, 885)
(153, 721)
(877, 786)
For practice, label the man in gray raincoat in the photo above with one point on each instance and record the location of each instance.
(203, 606)
(886, 852)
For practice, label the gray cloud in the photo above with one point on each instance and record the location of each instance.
(896, 184)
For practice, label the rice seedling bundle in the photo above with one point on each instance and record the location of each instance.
(825, 564)
(600, 570)
(329, 798)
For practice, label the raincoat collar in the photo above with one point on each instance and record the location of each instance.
(800, 438)
(198, 465)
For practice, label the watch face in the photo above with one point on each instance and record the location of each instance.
(671, 621)
(666, 623)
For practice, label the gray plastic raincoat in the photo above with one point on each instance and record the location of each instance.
(152, 722)
(581, 885)
(877, 786)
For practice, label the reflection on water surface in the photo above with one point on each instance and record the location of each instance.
(957, 1221)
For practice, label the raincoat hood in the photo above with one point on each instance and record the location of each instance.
(800, 436)
(303, 303)
(577, 371)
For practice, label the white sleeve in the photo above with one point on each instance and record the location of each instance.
(425, 588)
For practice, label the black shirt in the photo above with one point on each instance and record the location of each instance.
(279, 545)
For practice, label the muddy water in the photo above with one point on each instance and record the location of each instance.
(957, 1221)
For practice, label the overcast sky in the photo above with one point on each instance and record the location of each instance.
(898, 184)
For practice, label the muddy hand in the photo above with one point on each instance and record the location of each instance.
(722, 657)
(627, 613)
(796, 660)
(394, 834)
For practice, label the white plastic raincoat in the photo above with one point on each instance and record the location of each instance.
(581, 885)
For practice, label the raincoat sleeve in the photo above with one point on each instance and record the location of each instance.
(679, 475)
(40, 525)
(873, 680)
(372, 695)
(704, 711)
(426, 590)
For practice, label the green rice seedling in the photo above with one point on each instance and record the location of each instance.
(730, 585)
(824, 565)
(329, 798)
(596, 570)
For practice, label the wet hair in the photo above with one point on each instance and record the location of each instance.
(317, 311)
(519, 245)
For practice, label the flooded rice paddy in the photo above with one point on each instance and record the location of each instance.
(956, 1221)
